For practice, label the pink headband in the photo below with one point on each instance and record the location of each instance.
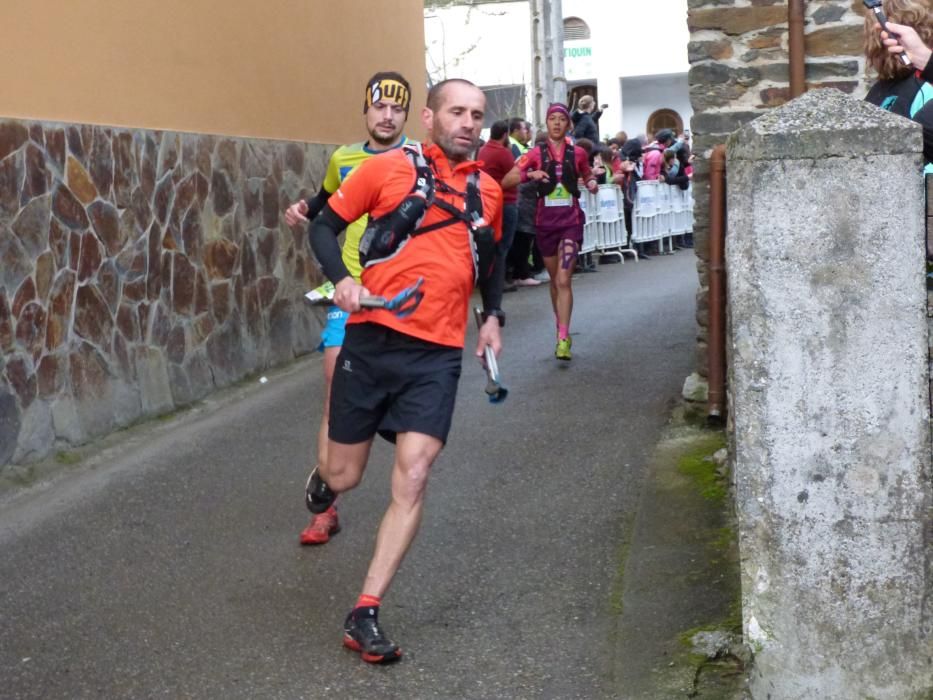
(558, 108)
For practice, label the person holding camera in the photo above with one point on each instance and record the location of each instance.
(901, 89)
(584, 120)
(626, 176)
(904, 39)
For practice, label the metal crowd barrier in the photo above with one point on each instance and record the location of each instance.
(604, 229)
(661, 212)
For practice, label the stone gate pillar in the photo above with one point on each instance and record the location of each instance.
(830, 398)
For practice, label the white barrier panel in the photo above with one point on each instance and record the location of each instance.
(613, 237)
(678, 222)
(590, 208)
(661, 212)
(645, 211)
(606, 233)
(688, 198)
(608, 197)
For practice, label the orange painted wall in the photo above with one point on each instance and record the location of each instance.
(284, 69)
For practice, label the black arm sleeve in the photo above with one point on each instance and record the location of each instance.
(491, 287)
(317, 202)
(322, 234)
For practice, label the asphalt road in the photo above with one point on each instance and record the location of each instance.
(167, 564)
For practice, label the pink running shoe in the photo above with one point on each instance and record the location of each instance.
(321, 527)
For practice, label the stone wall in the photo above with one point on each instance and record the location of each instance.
(139, 271)
(739, 68)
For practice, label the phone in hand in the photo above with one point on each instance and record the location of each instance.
(877, 8)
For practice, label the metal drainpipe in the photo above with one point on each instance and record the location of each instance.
(796, 47)
(717, 297)
(717, 229)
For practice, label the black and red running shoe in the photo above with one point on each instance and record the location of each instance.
(362, 633)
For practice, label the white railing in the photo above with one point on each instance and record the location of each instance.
(661, 212)
(604, 229)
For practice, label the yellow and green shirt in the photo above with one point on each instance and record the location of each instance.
(344, 163)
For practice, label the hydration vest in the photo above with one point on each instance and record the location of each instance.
(386, 236)
(568, 173)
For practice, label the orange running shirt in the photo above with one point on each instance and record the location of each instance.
(443, 257)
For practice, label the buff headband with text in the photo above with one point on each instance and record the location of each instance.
(387, 90)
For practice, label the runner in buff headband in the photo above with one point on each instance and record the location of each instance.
(385, 109)
(557, 166)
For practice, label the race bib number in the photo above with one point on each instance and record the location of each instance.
(560, 197)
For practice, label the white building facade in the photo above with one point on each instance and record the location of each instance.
(630, 55)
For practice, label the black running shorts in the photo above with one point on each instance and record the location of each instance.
(390, 383)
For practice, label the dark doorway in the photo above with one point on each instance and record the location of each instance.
(575, 92)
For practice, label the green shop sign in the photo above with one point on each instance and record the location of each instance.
(578, 61)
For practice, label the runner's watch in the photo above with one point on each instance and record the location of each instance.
(498, 313)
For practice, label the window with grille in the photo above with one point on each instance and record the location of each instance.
(575, 29)
(664, 119)
(503, 102)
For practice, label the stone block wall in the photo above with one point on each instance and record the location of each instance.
(139, 271)
(739, 68)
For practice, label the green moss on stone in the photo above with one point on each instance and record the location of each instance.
(698, 464)
(67, 457)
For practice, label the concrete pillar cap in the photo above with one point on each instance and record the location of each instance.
(825, 123)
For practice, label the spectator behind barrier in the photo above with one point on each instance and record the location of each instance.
(677, 161)
(601, 160)
(497, 161)
(668, 164)
(901, 89)
(615, 149)
(519, 135)
(682, 178)
(630, 172)
(654, 154)
(586, 145)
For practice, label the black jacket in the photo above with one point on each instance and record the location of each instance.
(586, 128)
(911, 97)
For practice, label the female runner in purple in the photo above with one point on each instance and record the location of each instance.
(558, 166)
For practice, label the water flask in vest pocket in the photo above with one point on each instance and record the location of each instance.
(385, 236)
